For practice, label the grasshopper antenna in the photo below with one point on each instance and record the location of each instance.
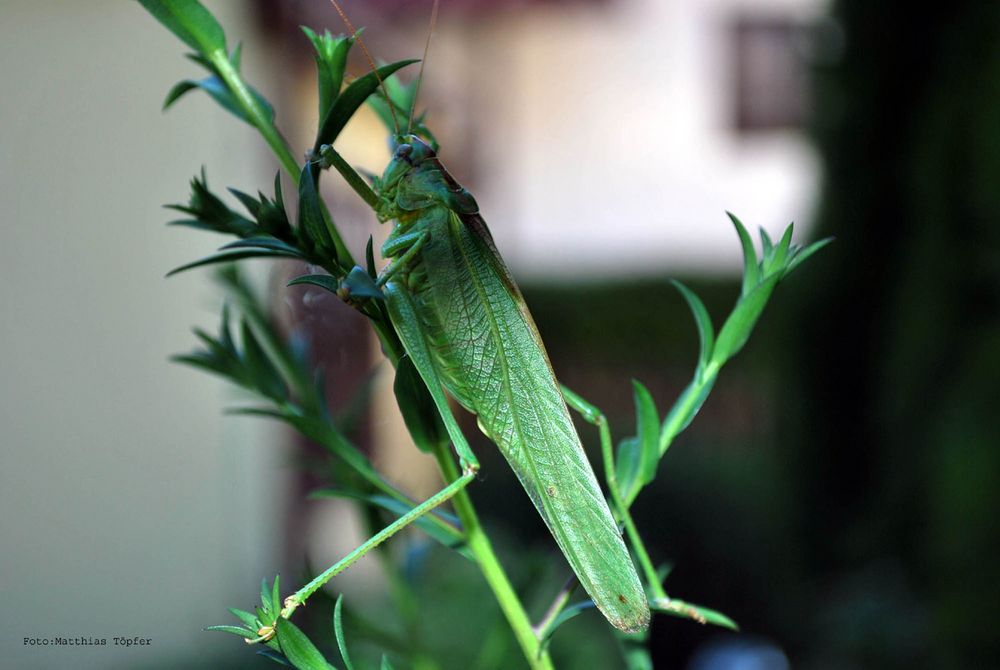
(423, 61)
(371, 61)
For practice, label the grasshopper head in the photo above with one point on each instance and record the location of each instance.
(408, 151)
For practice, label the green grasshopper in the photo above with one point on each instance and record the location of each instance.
(465, 326)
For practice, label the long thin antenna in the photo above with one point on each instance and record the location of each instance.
(423, 61)
(371, 61)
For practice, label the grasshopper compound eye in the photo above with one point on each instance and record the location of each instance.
(404, 150)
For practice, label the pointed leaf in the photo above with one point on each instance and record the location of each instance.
(312, 225)
(627, 466)
(350, 99)
(331, 58)
(751, 271)
(276, 595)
(737, 329)
(386, 665)
(338, 630)
(261, 242)
(781, 251)
(298, 648)
(647, 421)
(248, 619)
(801, 255)
(211, 212)
(767, 246)
(370, 259)
(265, 597)
(706, 336)
(702, 615)
(265, 376)
(229, 256)
(245, 633)
(685, 410)
(331, 284)
(419, 412)
(190, 21)
(217, 89)
(568, 613)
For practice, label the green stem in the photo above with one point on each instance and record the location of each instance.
(690, 401)
(480, 546)
(257, 115)
(261, 120)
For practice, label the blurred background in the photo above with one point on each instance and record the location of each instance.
(837, 495)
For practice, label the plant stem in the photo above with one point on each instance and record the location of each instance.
(265, 125)
(690, 401)
(255, 113)
(480, 546)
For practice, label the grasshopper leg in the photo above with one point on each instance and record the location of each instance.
(411, 242)
(298, 598)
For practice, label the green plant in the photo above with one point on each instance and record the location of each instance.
(260, 361)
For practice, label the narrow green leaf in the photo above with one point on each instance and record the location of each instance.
(298, 648)
(251, 203)
(276, 595)
(211, 212)
(229, 256)
(685, 410)
(331, 284)
(370, 259)
(568, 613)
(350, 99)
(386, 665)
(312, 225)
(419, 412)
(262, 371)
(265, 597)
(627, 466)
(245, 633)
(781, 251)
(751, 270)
(204, 361)
(737, 329)
(331, 58)
(702, 615)
(338, 630)
(261, 242)
(801, 255)
(190, 21)
(246, 617)
(767, 246)
(706, 335)
(647, 421)
(217, 89)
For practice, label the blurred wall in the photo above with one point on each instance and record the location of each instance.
(128, 504)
